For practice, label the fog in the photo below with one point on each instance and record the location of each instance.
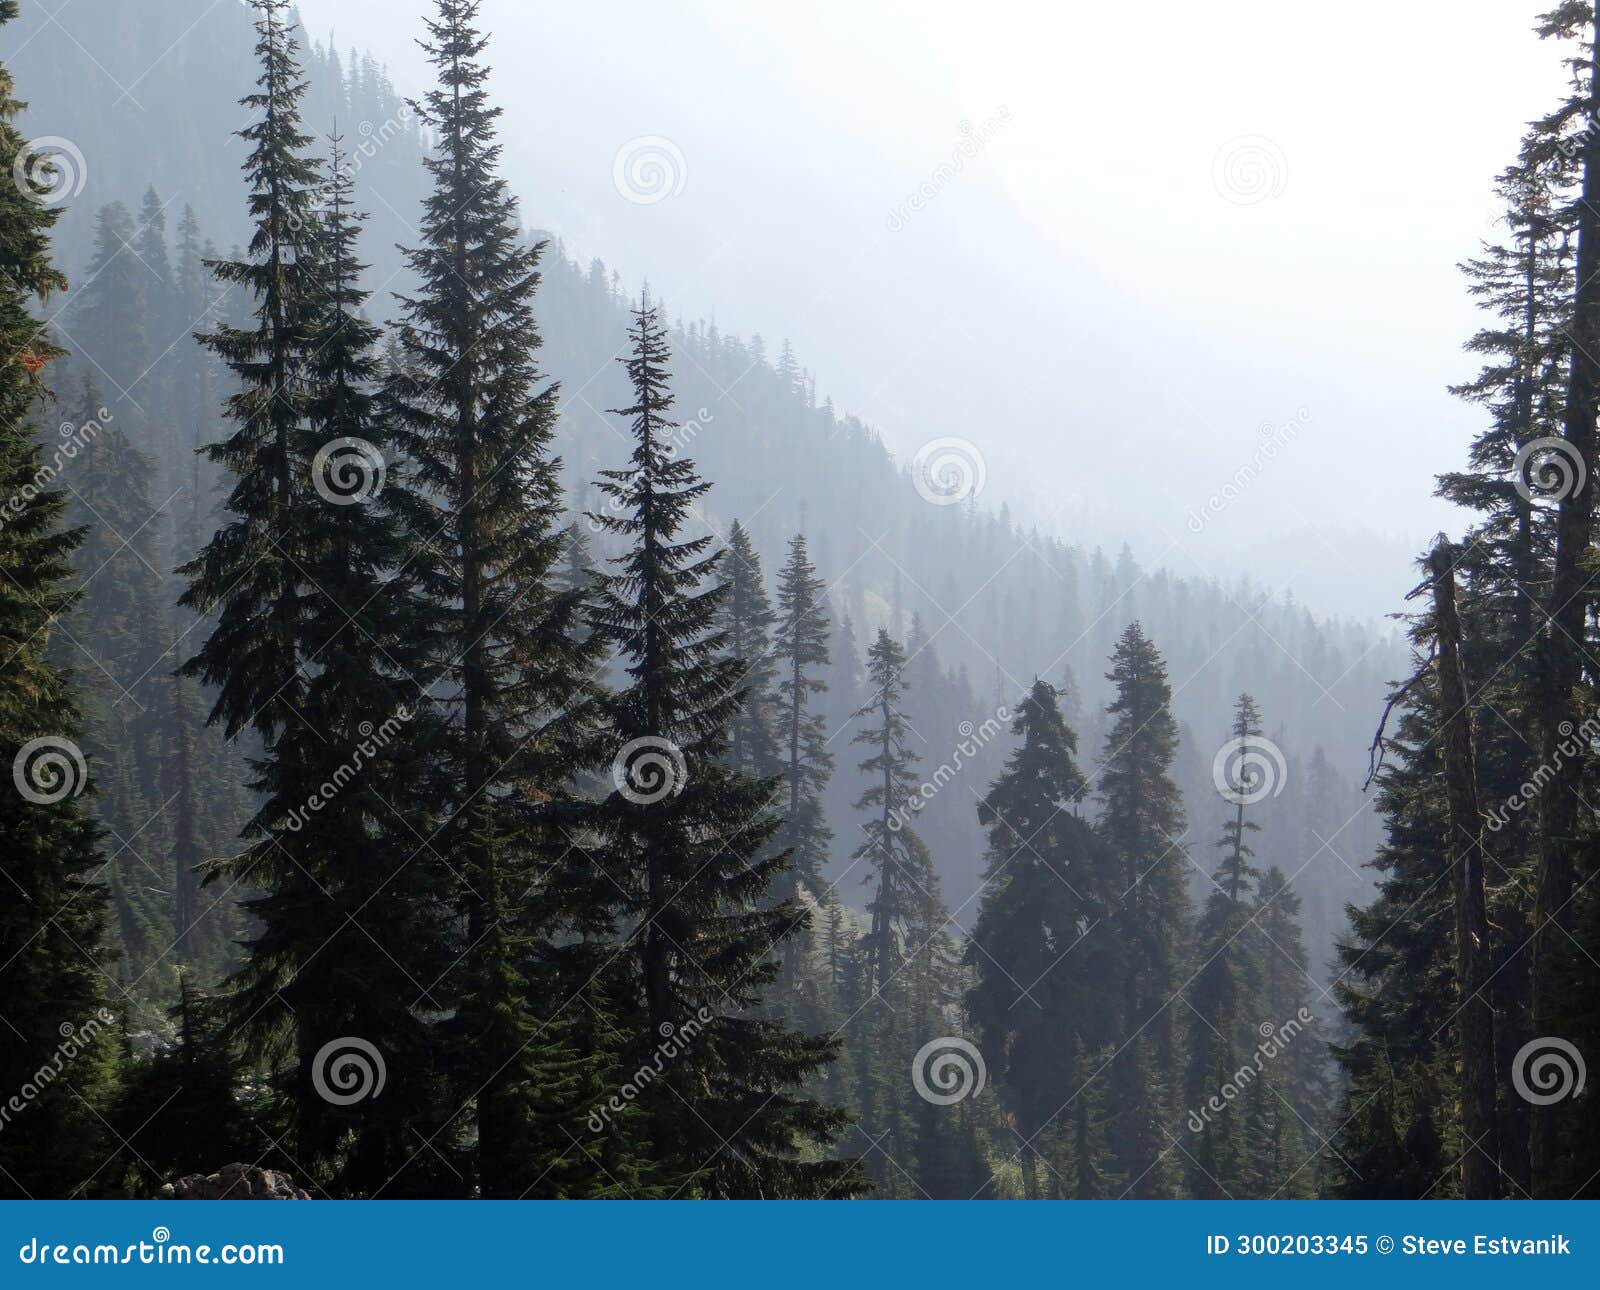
(1110, 246)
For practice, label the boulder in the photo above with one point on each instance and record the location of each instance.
(233, 1182)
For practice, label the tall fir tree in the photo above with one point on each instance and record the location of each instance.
(745, 619)
(1142, 820)
(52, 922)
(1224, 984)
(1042, 950)
(512, 666)
(685, 839)
(801, 652)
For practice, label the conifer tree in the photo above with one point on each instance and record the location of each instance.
(685, 841)
(908, 978)
(901, 870)
(111, 315)
(745, 620)
(165, 331)
(52, 936)
(182, 1105)
(1396, 975)
(1142, 821)
(802, 651)
(477, 415)
(1043, 957)
(248, 577)
(315, 649)
(1224, 985)
(114, 638)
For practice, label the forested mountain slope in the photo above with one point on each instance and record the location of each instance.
(943, 578)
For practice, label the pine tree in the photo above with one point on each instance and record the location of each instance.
(801, 648)
(801, 652)
(181, 1106)
(111, 316)
(908, 970)
(476, 415)
(1224, 985)
(165, 331)
(249, 579)
(316, 650)
(685, 842)
(1042, 953)
(114, 635)
(901, 870)
(746, 619)
(1142, 821)
(1396, 976)
(50, 938)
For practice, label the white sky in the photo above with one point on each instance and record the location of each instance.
(1080, 301)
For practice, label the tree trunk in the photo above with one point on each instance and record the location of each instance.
(1567, 613)
(1480, 1173)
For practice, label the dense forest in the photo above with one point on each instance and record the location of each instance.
(477, 733)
